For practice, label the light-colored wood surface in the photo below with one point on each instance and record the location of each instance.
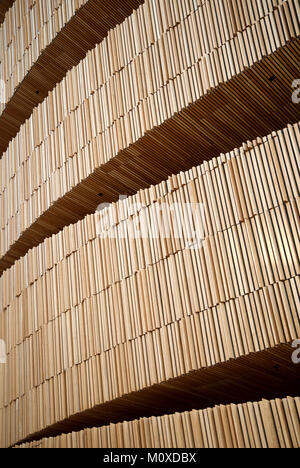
(152, 309)
(40, 41)
(246, 425)
(69, 152)
(103, 326)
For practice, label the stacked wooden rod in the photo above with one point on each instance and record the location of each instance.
(267, 373)
(182, 295)
(264, 424)
(4, 7)
(234, 189)
(145, 309)
(101, 139)
(34, 24)
(41, 40)
(29, 27)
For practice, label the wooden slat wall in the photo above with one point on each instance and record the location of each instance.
(41, 40)
(101, 326)
(119, 133)
(247, 378)
(156, 304)
(264, 424)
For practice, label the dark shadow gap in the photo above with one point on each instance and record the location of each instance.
(266, 374)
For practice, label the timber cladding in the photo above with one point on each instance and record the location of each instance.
(124, 126)
(149, 228)
(42, 40)
(148, 308)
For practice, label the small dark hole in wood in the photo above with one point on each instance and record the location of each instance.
(37, 92)
(272, 78)
(100, 194)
